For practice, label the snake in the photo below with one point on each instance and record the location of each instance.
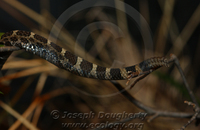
(64, 59)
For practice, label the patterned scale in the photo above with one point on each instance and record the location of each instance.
(64, 59)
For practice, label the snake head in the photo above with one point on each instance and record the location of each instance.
(147, 66)
(153, 63)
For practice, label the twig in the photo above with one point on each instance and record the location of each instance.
(150, 111)
(196, 109)
(9, 48)
(143, 76)
(174, 58)
(147, 109)
(157, 113)
(138, 79)
(5, 52)
(131, 98)
(3, 57)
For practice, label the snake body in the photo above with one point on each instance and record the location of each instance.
(64, 59)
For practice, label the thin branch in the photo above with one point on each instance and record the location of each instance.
(143, 76)
(157, 113)
(150, 111)
(174, 58)
(131, 98)
(196, 109)
(138, 79)
(9, 48)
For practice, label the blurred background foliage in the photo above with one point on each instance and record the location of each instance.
(33, 87)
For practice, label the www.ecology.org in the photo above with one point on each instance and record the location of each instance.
(107, 124)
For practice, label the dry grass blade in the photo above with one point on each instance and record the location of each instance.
(17, 96)
(27, 11)
(40, 101)
(40, 84)
(37, 114)
(23, 64)
(17, 116)
(164, 26)
(27, 72)
(154, 91)
(186, 33)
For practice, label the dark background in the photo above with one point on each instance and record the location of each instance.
(168, 93)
